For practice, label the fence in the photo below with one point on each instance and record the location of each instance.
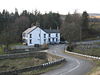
(39, 67)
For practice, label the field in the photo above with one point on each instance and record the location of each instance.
(92, 52)
(30, 61)
(18, 63)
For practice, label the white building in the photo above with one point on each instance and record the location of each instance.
(36, 35)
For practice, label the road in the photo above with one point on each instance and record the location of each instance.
(73, 66)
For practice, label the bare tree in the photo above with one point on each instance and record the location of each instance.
(70, 29)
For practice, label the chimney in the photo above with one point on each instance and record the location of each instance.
(57, 28)
(37, 24)
(32, 24)
(50, 28)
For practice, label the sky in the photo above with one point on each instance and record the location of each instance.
(60, 6)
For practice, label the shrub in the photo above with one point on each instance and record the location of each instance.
(70, 48)
(44, 46)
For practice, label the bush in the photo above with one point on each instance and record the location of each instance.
(44, 46)
(70, 48)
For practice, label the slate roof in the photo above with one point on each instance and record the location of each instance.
(30, 29)
(46, 30)
(51, 31)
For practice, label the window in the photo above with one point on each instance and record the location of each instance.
(52, 39)
(30, 41)
(56, 39)
(23, 34)
(56, 35)
(49, 35)
(30, 35)
(39, 35)
(44, 35)
(49, 40)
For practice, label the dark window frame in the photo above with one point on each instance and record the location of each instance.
(49, 40)
(56, 34)
(30, 35)
(56, 39)
(39, 35)
(49, 35)
(44, 35)
(30, 41)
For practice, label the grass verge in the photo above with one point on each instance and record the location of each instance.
(1, 50)
(38, 72)
(91, 52)
(19, 63)
(96, 69)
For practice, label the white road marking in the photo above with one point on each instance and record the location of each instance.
(74, 67)
(70, 69)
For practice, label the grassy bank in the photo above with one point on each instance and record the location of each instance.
(18, 63)
(92, 52)
(1, 50)
(96, 69)
(3, 46)
(38, 72)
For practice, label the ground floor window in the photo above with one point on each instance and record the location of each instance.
(30, 41)
(49, 40)
(52, 39)
(56, 39)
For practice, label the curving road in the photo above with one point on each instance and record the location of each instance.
(73, 66)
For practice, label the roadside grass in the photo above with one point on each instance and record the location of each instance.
(93, 38)
(38, 72)
(14, 44)
(96, 69)
(1, 50)
(91, 52)
(2, 47)
(18, 63)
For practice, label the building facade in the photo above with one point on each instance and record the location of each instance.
(36, 35)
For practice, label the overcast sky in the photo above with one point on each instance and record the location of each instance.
(61, 6)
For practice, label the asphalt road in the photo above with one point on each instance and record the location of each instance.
(73, 66)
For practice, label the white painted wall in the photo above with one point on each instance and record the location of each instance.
(36, 39)
(53, 35)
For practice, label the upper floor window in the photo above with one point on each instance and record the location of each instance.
(23, 34)
(39, 35)
(56, 35)
(30, 35)
(44, 35)
(49, 35)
